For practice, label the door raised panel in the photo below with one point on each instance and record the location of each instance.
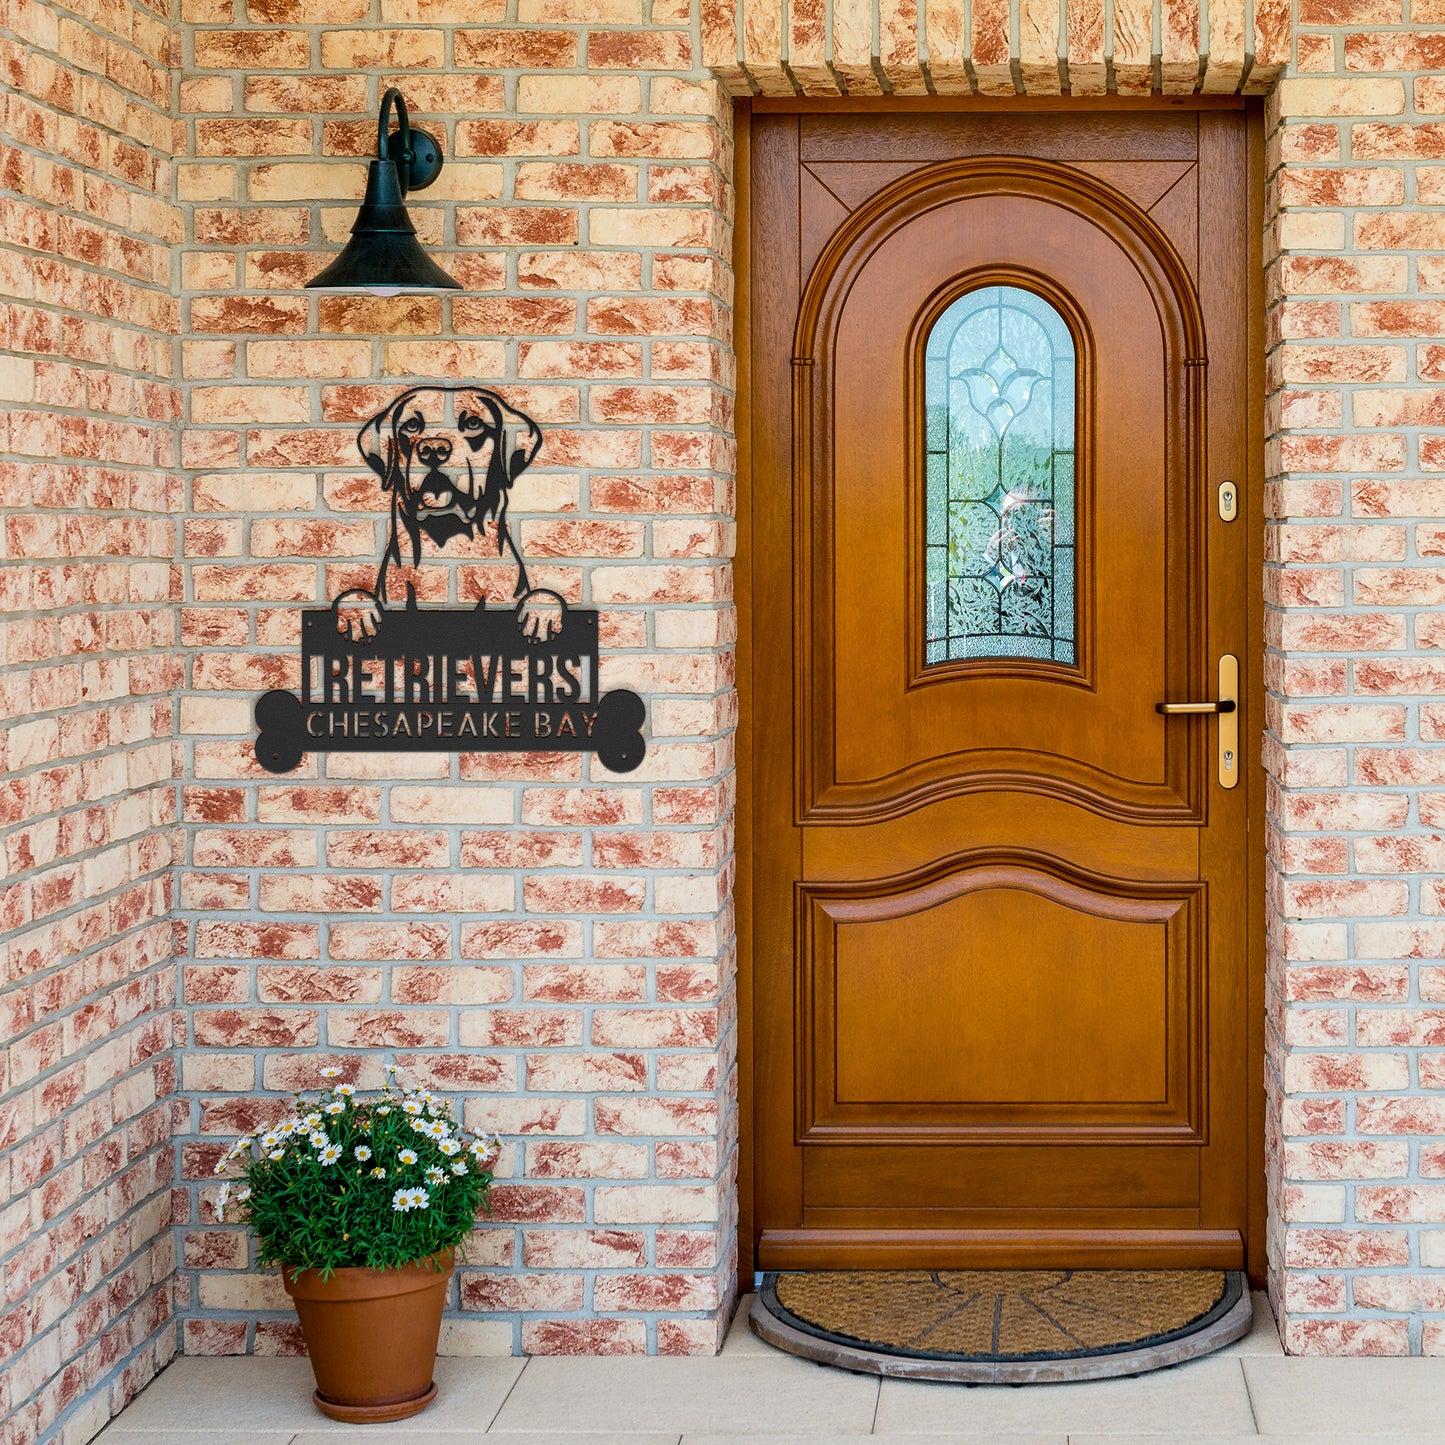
(881, 731)
(998, 998)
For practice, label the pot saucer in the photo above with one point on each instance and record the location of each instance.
(375, 1414)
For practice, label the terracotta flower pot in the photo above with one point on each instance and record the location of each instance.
(372, 1336)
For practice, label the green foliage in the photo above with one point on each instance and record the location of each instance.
(349, 1180)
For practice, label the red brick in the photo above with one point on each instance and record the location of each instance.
(496, 316)
(257, 940)
(655, 1292)
(516, 226)
(517, 137)
(634, 50)
(583, 1249)
(387, 1029)
(516, 49)
(1394, 51)
(388, 848)
(584, 1337)
(520, 1028)
(255, 1028)
(585, 1073)
(311, 984)
(389, 941)
(584, 983)
(518, 849)
(536, 1204)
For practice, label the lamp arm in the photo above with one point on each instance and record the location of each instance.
(393, 97)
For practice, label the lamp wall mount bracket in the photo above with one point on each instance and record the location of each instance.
(417, 156)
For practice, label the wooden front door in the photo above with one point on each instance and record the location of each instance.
(1000, 934)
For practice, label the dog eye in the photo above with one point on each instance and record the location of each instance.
(468, 423)
(412, 425)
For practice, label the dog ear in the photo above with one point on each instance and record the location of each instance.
(521, 440)
(516, 437)
(377, 443)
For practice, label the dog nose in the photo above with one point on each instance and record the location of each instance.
(434, 451)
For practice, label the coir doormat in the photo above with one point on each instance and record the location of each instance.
(1002, 1326)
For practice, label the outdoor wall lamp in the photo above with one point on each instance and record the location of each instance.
(383, 255)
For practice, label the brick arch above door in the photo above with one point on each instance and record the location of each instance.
(996, 48)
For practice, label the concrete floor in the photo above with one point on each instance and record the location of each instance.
(1242, 1393)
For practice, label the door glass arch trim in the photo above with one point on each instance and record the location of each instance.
(1043, 667)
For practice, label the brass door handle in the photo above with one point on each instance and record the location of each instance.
(1227, 707)
(1174, 709)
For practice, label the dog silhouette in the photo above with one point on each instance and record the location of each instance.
(448, 456)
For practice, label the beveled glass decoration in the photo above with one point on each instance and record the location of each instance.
(999, 392)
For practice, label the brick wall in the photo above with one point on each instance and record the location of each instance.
(88, 671)
(1354, 581)
(550, 944)
(547, 942)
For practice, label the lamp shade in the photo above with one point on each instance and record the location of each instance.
(383, 255)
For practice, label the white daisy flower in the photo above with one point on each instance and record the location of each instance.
(311, 1120)
(289, 1127)
(450, 1146)
(384, 1110)
(419, 1125)
(277, 1154)
(412, 1106)
(459, 1167)
(362, 1152)
(242, 1195)
(435, 1176)
(319, 1139)
(345, 1090)
(270, 1140)
(407, 1156)
(331, 1073)
(378, 1172)
(392, 1068)
(405, 1200)
(331, 1154)
(220, 1166)
(437, 1129)
(336, 1106)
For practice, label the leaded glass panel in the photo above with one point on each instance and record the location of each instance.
(999, 384)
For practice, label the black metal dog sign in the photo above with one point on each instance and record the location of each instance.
(516, 678)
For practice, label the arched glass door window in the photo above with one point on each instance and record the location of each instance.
(1000, 394)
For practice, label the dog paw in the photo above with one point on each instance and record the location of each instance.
(540, 614)
(358, 615)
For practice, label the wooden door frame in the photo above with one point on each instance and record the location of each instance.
(1252, 517)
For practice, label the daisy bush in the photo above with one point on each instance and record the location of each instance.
(378, 1181)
